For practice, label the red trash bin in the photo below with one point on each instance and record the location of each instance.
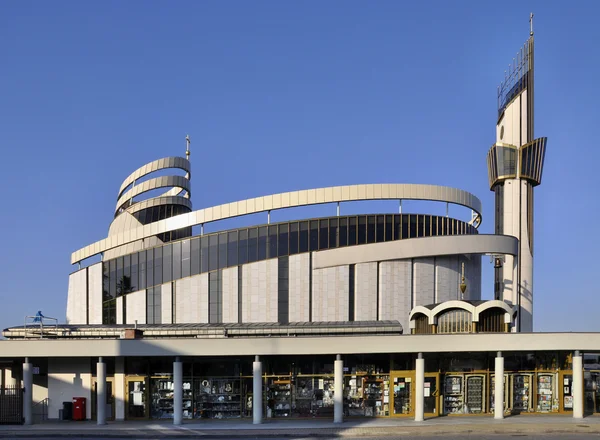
(79, 411)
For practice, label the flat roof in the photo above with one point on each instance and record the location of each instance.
(322, 345)
(96, 331)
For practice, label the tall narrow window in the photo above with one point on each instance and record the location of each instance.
(314, 235)
(294, 238)
(222, 250)
(283, 293)
(195, 256)
(176, 261)
(352, 231)
(243, 246)
(272, 245)
(351, 271)
(185, 259)
(252, 244)
(215, 297)
(232, 249)
(343, 232)
(262, 243)
(362, 229)
(283, 240)
(167, 263)
(323, 234)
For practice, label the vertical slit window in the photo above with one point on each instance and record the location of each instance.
(397, 227)
(119, 276)
(150, 268)
(213, 252)
(294, 238)
(167, 263)
(142, 276)
(134, 272)
(158, 260)
(389, 228)
(195, 256)
(314, 235)
(243, 246)
(413, 226)
(324, 234)
(272, 242)
(239, 292)
(283, 290)
(303, 247)
(215, 297)
(252, 244)
(204, 254)
(176, 261)
(371, 229)
(427, 226)
(283, 240)
(380, 229)
(232, 248)
(351, 271)
(362, 229)
(222, 250)
(352, 231)
(262, 243)
(405, 226)
(343, 241)
(185, 259)
(333, 233)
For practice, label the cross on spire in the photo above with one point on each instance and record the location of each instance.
(531, 24)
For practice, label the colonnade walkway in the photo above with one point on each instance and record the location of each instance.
(453, 425)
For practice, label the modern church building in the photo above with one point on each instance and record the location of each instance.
(370, 315)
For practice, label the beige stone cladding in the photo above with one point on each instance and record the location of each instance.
(77, 298)
(365, 292)
(230, 295)
(299, 288)
(136, 307)
(191, 299)
(423, 281)
(330, 294)
(166, 304)
(395, 282)
(259, 291)
(447, 278)
(95, 293)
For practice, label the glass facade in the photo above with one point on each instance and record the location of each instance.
(156, 213)
(220, 250)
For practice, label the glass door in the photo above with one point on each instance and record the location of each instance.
(566, 391)
(431, 393)
(475, 397)
(137, 398)
(402, 393)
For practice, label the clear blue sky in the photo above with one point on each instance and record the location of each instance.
(280, 96)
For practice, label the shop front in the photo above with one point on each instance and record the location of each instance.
(303, 387)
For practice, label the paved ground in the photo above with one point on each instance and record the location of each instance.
(471, 427)
(427, 437)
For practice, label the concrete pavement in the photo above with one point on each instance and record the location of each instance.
(448, 426)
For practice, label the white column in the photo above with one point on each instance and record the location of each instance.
(177, 391)
(499, 387)
(577, 387)
(101, 392)
(28, 394)
(257, 392)
(419, 389)
(120, 388)
(338, 392)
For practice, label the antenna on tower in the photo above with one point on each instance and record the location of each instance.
(187, 146)
(531, 24)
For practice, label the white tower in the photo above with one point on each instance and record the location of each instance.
(515, 164)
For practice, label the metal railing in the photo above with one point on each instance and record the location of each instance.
(40, 410)
(11, 405)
